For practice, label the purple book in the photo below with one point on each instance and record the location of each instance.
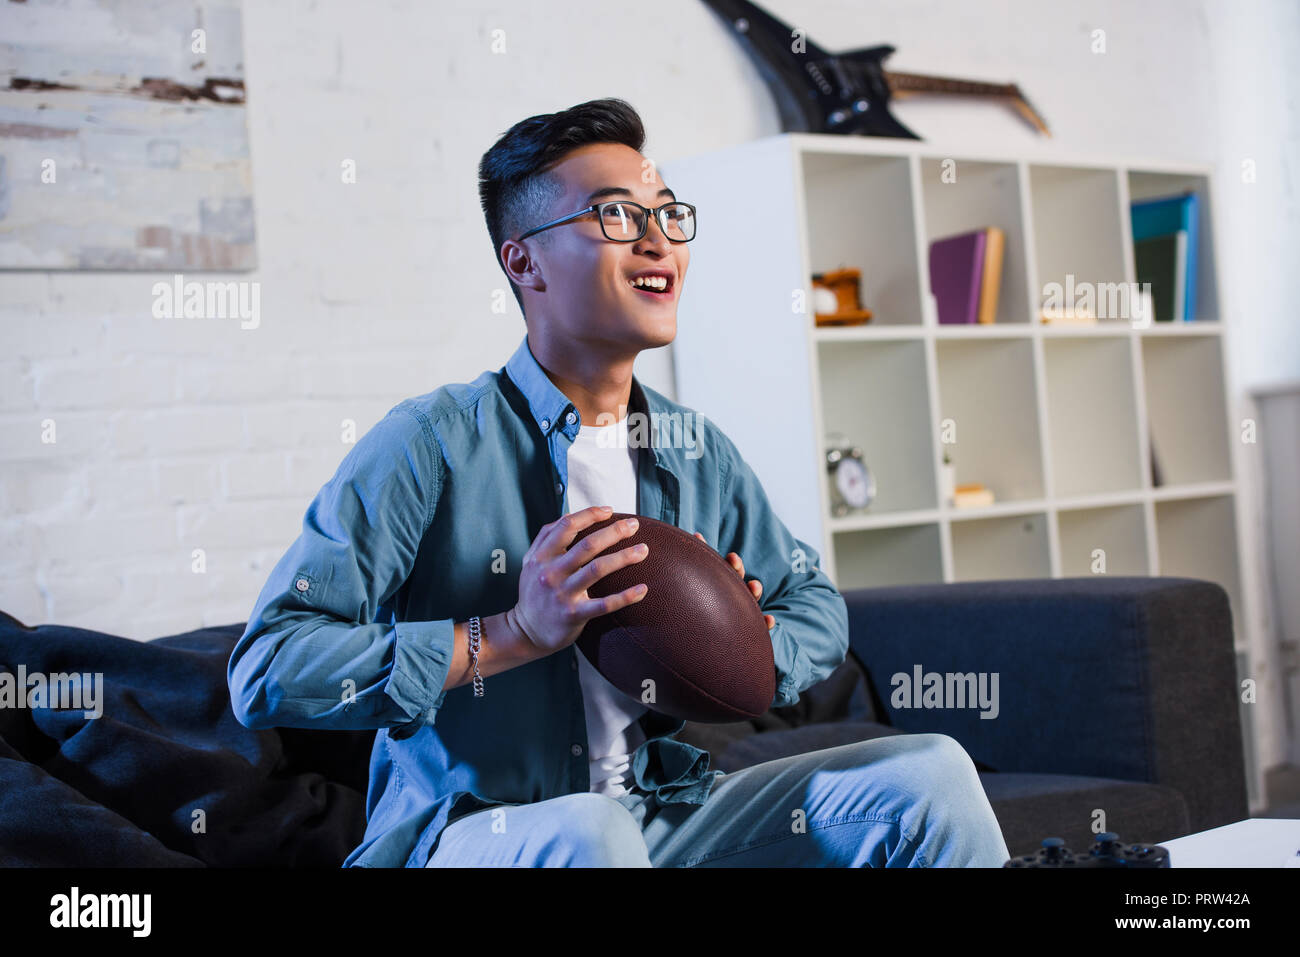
(956, 270)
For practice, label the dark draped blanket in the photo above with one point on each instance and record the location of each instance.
(165, 776)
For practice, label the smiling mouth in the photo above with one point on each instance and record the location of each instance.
(654, 292)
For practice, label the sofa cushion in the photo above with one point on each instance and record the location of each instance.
(1030, 807)
(1124, 678)
(843, 695)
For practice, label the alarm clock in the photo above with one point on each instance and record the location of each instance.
(852, 485)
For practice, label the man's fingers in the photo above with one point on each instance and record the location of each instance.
(755, 586)
(733, 560)
(559, 535)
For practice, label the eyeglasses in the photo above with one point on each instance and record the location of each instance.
(623, 221)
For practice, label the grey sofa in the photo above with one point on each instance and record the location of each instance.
(1116, 695)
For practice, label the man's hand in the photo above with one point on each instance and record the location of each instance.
(554, 606)
(754, 584)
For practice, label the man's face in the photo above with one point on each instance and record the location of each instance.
(579, 282)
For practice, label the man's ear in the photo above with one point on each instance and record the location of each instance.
(522, 267)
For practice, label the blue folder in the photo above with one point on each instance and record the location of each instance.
(1154, 218)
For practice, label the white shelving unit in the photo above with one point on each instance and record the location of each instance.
(1059, 421)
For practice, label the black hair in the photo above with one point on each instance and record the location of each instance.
(514, 184)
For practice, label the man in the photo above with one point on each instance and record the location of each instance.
(433, 595)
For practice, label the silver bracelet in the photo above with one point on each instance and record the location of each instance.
(474, 635)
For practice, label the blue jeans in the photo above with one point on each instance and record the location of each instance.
(907, 800)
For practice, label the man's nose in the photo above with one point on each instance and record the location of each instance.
(654, 236)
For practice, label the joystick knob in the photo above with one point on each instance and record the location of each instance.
(1107, 843)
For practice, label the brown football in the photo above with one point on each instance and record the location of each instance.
(698, 634)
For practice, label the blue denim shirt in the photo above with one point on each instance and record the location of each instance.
(424, 524)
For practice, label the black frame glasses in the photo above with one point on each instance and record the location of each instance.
(599, 209)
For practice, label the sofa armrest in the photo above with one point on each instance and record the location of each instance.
(1124, 677)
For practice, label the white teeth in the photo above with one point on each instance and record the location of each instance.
(651, 282)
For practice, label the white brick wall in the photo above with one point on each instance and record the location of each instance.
(183, 434)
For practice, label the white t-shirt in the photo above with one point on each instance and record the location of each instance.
(602, 471)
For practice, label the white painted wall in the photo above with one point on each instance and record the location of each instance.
(175, 435)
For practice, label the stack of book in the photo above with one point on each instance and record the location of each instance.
(966, 275)
(1164, 253)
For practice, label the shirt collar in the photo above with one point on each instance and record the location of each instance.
(551, 408)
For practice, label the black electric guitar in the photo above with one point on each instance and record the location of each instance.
(821, 92)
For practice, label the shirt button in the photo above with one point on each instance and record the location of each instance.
(302, 584)
(559, 487)
(576, 750)
(570, 418)
(546, 424)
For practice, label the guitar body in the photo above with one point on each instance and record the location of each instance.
(815, 91)
(847, 93)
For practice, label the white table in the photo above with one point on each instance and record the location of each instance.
(1256, 842)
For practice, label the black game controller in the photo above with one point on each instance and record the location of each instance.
(1107, 851)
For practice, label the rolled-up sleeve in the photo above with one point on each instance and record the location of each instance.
(313, 654)
(811, 635)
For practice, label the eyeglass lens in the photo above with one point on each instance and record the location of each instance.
(624, 222)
